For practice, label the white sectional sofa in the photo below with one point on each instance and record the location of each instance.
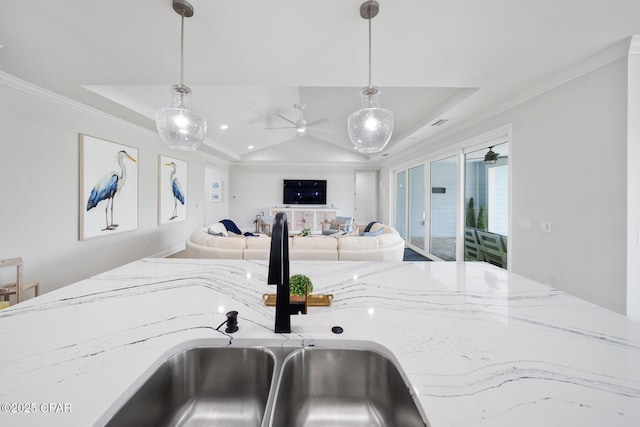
(385, 246)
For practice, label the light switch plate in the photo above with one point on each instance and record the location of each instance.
(545, 226)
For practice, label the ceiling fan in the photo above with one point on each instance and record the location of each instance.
(300, 125)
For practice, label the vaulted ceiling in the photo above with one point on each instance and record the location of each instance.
(249, 61)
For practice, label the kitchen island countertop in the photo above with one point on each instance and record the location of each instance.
(479, 345)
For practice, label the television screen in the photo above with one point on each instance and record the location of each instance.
(305, 192)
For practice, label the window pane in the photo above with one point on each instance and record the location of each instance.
(401, 203)
(444, 190)
(486, 206)
(416, 206)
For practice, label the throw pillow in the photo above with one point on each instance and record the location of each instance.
(373, 233)
(370, 225)
(217, 229)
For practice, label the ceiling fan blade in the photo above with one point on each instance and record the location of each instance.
(319, 121)
(286, 127)
(290, 121)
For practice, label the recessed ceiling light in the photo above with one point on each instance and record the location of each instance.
(224, 127)
(250, 147)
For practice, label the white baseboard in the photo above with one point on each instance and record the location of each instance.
(168, 252)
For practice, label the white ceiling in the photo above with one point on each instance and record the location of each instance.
(247, 61)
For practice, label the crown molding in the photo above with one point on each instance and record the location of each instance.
(61, 100)
(623, 48)
(598, 60)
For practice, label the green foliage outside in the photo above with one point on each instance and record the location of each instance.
(471, 214)
(482, 219)
(297, 283)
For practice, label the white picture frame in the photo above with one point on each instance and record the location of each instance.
(108, 187)
(173, 189)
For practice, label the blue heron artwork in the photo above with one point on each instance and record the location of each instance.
(107, 187)
(109, 184)
(173, 190)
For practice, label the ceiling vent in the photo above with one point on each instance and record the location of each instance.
(439, 122)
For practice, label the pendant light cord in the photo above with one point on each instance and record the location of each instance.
(369, 52)
(370, 86)
(182, 49)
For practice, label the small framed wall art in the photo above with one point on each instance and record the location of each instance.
(172, 189)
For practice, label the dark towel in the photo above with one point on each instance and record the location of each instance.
(230, 226)
(233, 228)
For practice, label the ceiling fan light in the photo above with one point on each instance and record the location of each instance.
(491, 157)
(180, 127)
(370, 128)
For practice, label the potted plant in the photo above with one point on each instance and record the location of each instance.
(305, 232)
(482, 219)
(471, 214)
(299, 286)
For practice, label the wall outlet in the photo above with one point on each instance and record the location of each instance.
(545, 226)
(524, 223)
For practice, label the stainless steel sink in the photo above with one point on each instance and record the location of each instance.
(221, 386)
(342, 387)
(272, 386)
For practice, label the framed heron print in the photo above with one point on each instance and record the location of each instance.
(172, 190)
(108, 202)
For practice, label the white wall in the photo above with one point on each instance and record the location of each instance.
(633, 181)
(39, 175)
(215, 211)
(579, 185)
(255, 188)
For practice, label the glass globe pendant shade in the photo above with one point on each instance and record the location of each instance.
(179, 127)
(370, 128)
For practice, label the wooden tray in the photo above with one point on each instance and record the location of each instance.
(312, 300)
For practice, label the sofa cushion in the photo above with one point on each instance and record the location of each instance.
(315, 243)
(259, 243)
(225, 242)
(386, 240)
(358, 242)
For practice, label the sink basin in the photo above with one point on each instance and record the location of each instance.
(221, 386)
(342, 387)
(236, 386)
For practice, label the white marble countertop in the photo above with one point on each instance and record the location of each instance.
(480, 346)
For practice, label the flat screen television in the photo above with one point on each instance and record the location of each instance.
(304, 192)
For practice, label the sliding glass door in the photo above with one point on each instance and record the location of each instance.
(487, 205)
(444, 201)
(417, 215)
(401, 203)
(457, 207)
(410, 206)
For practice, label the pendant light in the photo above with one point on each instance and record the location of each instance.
(370, 127)
(180, 127)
